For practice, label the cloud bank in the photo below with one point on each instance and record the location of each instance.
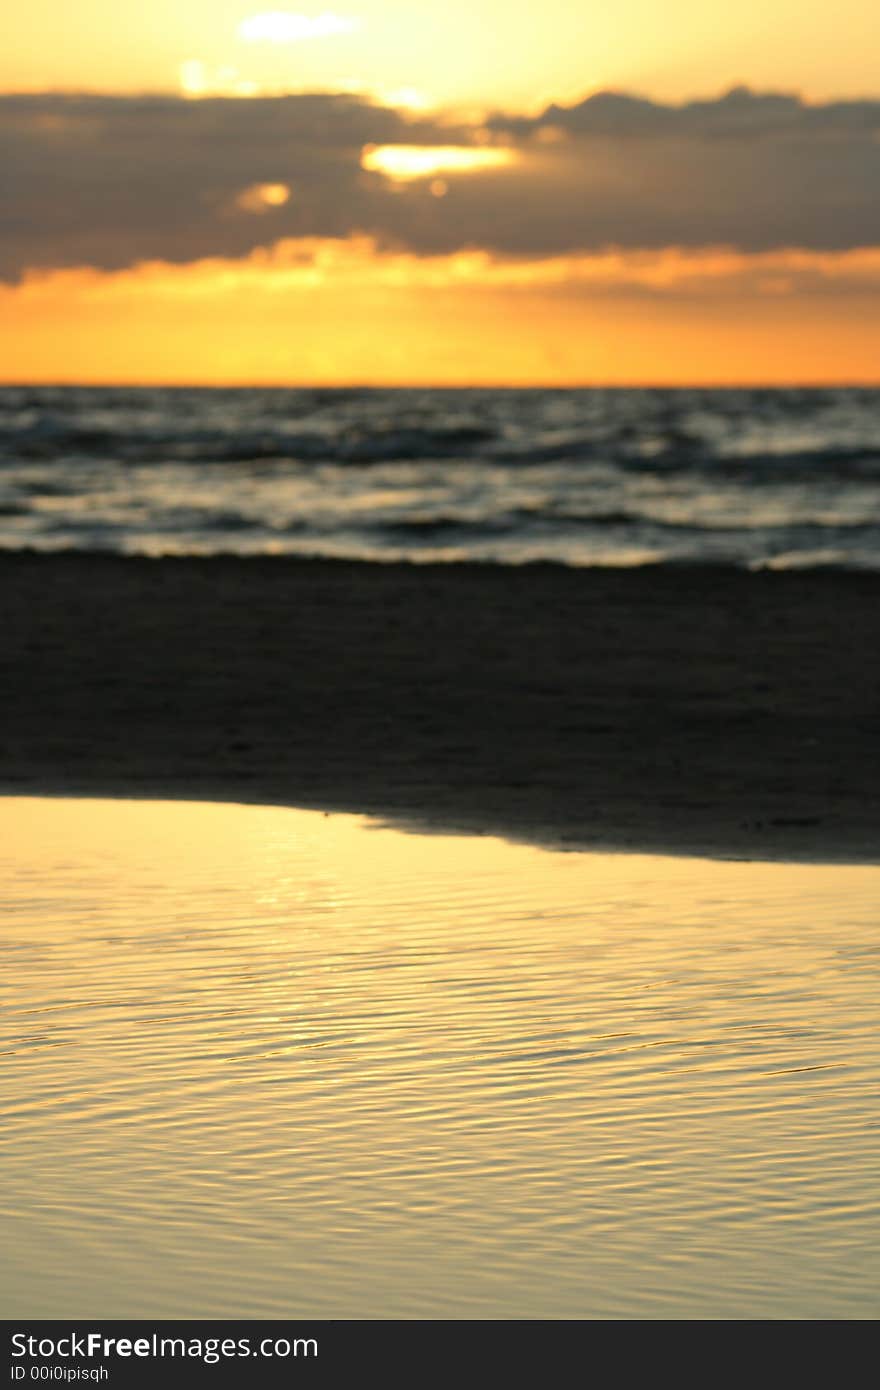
(110, 182)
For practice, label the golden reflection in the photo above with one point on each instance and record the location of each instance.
(307, 859)
(502, 1080)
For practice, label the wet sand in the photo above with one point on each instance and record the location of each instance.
(692, 711)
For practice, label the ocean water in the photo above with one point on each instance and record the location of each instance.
(752, 478)
(269, 1062)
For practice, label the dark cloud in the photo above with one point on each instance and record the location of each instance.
(739, 113)
(110, 181)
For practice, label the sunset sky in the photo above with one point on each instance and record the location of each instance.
(478, 192)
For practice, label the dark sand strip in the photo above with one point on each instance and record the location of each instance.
(686, 710)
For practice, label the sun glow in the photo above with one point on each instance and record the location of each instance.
(197, 80)
(280, 26)
(262, 197)
(405, 162)
(409, 98)
(193, 81)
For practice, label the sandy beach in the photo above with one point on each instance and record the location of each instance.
(686, 710)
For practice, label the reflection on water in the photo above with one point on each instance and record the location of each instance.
(269, 1062)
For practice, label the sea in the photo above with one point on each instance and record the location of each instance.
(769, 478)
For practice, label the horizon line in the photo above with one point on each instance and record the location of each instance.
(795, 384)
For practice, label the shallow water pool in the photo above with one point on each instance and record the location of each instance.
(266, 1062)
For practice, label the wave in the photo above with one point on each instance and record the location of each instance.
(467, 445)
(510, 477)
(48, 438)
(733, 527)
(425, 528)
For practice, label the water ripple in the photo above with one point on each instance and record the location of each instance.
(266, 1062)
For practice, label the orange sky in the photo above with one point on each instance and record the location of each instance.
(363, 317)
(334, 309)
